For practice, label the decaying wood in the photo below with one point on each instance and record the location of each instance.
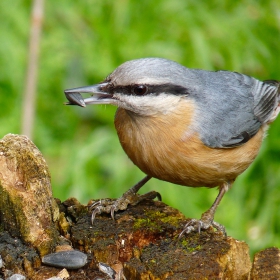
(28, 209)
(142, 242)
(266, 264)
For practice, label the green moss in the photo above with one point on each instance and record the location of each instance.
(190, 247)
(156, 220)
(184, 243)
(146, 223)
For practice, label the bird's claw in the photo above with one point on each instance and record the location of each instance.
(111, 206)
(197, 225)
(102, 206)
(96, 210)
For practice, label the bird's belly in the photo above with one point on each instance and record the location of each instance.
(160, 150)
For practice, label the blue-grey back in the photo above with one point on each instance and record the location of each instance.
(231, 107)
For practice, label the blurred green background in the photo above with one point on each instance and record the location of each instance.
(83, 41)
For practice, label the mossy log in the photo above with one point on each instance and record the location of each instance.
(141, 243)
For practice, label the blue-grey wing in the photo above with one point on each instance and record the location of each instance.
(232, 107)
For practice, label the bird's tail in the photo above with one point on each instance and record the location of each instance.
(278, 96)
(276, 85)
(278, 93)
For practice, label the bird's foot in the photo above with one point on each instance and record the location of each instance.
(111, 206)
(204, 223)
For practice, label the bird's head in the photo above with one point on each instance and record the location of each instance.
(144, 86)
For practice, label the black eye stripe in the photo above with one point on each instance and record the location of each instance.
(151, 89)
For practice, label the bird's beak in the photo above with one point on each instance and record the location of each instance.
(98, 95)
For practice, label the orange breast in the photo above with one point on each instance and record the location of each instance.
(164, 147)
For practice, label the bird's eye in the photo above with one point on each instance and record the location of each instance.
(139, 89)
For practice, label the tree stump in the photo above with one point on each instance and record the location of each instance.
(141, 243)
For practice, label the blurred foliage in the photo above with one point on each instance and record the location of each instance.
(83, 41)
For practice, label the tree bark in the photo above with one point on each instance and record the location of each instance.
(141, 243)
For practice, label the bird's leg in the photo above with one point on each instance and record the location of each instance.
(207, 218)
(130, 197)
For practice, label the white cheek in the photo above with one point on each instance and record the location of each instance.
(149, 104)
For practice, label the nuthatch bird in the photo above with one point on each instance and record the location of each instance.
(185, 126)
